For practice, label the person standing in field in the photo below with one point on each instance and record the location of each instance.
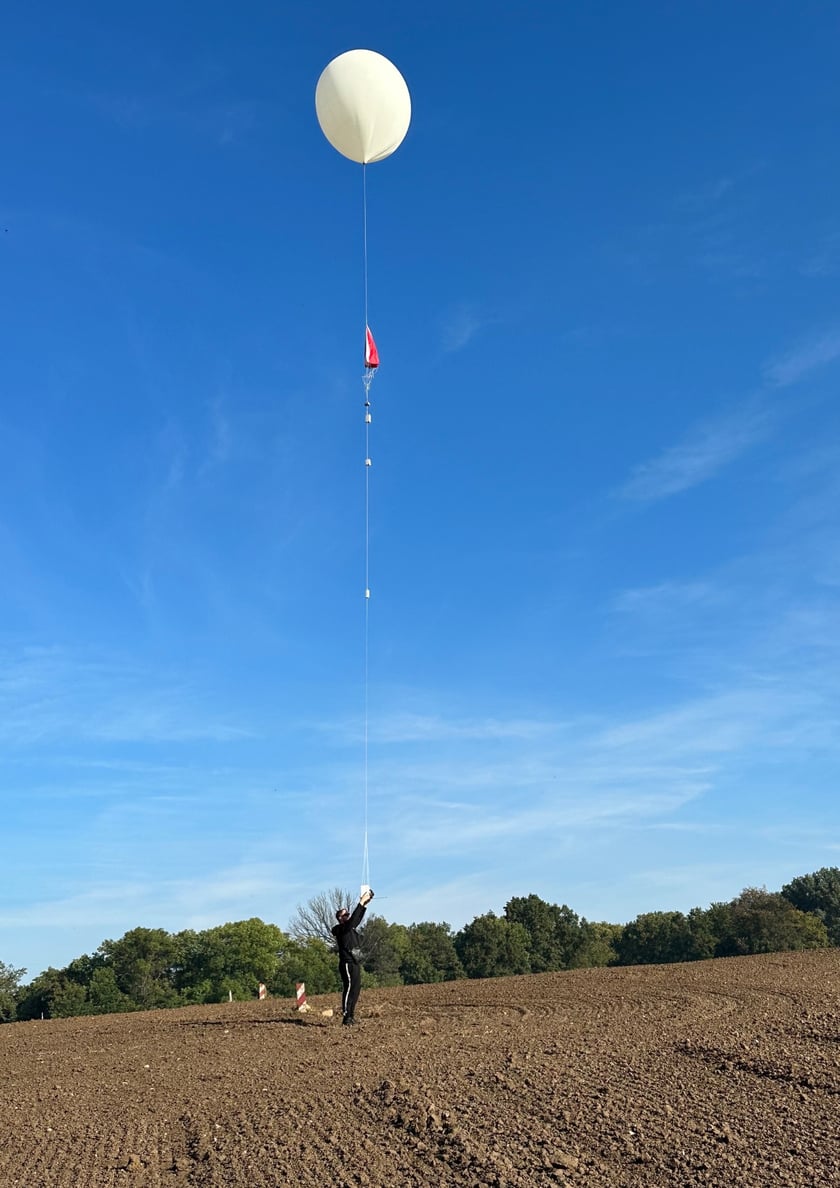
(347, 943)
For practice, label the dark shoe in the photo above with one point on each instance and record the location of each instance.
(349, 1021)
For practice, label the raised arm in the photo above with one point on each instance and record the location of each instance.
(360, 908)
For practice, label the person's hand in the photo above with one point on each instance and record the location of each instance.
(366, 898)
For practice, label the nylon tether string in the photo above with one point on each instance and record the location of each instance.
(368, 379)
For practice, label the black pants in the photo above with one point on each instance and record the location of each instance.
(351, 982)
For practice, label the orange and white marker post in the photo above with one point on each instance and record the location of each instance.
(300, 996)
(261, 991)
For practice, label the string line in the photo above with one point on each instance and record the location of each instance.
(367, 382)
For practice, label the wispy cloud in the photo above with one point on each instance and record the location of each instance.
(711, 227)
(171, 457)
(176, 903)
(808, 356)
(664, 597)
(507, 796)
(460, 326)
(408, 727)
(51, 694)
(435, 728)
(705, 196)
(707, 449)
(721, 724)
(489, 782)
(221, 437)
(543, 824)
(194, 102)
(825, 261)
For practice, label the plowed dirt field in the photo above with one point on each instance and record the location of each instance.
(715, 1073)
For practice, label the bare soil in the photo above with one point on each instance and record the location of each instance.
(716, 1073)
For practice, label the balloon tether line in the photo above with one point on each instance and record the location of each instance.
(367, 381)
(364, 223)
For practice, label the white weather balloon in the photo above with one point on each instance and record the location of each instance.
(363, 106)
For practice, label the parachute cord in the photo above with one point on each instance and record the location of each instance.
(368, 379)
(365, 860)
(364, 222)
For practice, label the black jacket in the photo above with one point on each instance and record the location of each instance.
(346, 936)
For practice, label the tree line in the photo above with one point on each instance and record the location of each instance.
(150, 968)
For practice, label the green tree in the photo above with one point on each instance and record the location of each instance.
(599, 944)
(555, 933)
(492, 947)
(186, 970)
(705, 929)
(309, 961)
(144, 965)
(81, 969)
(763, 921)
(711, 929)
(68, 998)
(819, 894)
(655, 938)
(384, 947)
(430, 955)
(104, 996)
(234, 958)
(9, 990)
(35, 1001)
(54, 994)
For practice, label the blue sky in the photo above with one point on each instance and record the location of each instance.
(605, 287)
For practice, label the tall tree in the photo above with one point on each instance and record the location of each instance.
(492, 947)
(144, 965)
(599, 942)
(35, 1001)
(9, 989)
(655, 938)
(818, 893)
(705, 929)
(430, 955)
(104, 996)
(81, 969)
(555, 932)
(713, 929)
(68, 998)
(316, 917)
(309, 961)
(234, 958)
(385, 946)
(763, 921)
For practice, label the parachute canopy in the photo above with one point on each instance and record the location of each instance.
(363, 106)
(371, 353)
